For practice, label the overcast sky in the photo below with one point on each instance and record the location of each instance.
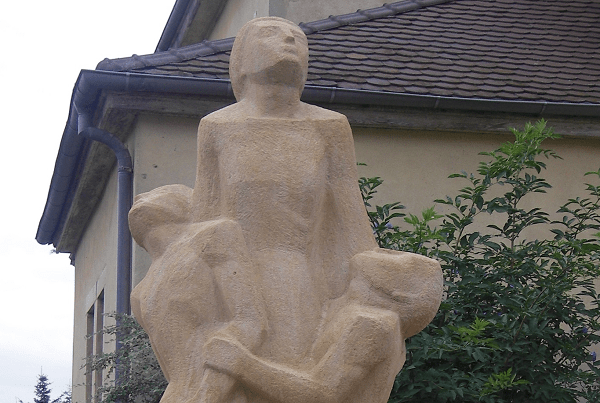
(45, 45)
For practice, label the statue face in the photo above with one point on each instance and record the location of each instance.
(269, 51)
(274, 41)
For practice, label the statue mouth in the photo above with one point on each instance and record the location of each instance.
(290, 49)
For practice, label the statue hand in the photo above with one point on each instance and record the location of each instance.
(224, 354)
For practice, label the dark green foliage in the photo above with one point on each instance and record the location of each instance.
(520, 316)
(64, 397)
(143, 381)
(42, 392)
(382, 215)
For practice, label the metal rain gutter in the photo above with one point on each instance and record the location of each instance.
(91, 82)
(367, 98)
(124, 202)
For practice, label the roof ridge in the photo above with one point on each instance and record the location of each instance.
(208, 47)
(387, 10)
(204, 48)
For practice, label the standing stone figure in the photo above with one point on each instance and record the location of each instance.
(266, 283)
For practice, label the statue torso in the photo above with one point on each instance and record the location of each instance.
(273, 178)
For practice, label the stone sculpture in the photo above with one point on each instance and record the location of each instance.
(266, 283)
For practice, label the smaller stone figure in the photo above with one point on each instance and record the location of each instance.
(208, 264)
(362, 340)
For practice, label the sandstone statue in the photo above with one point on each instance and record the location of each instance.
(266, 283)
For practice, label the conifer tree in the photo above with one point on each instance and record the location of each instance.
(42, 390)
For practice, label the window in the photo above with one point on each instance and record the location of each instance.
(94, 346)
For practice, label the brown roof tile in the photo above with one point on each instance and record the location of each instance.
(491, 49)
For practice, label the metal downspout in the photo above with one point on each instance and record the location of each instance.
(124, 202)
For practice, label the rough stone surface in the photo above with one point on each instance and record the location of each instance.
(266, 283)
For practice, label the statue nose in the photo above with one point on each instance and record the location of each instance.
(289, 37)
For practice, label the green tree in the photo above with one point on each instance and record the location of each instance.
(520, 316)
(143, 381)
(42, 392)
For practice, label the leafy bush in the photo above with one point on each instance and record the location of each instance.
(141, 381)
(520, 316)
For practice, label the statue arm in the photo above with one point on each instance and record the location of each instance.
(347, 201)
(206, 198)
(342, 227)
(365, 341)
(275, 381)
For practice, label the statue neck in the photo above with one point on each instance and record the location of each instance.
(272, 100)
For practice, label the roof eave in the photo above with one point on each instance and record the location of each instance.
(91, 83)
(363, 97)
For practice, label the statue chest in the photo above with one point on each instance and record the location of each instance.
(280, 152)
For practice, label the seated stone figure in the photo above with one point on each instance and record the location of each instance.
(200, 283)
(260, 255)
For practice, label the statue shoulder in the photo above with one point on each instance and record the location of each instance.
(322, 114)
(215, 126)
(223, 115)
(333, 126)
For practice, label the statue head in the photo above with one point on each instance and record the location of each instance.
(268, 50)
(154, 211)
(395, 282)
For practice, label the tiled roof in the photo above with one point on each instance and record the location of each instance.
(529, 50)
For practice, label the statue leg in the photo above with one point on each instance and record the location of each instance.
(359, 339)
(224, 249)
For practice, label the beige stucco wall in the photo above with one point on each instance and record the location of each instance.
(164, 152)
(95, 262)
(415, 166)
(237, 12)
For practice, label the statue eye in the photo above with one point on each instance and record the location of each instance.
(268, 31)
(300, 37)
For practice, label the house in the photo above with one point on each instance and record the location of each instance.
(425, 84)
